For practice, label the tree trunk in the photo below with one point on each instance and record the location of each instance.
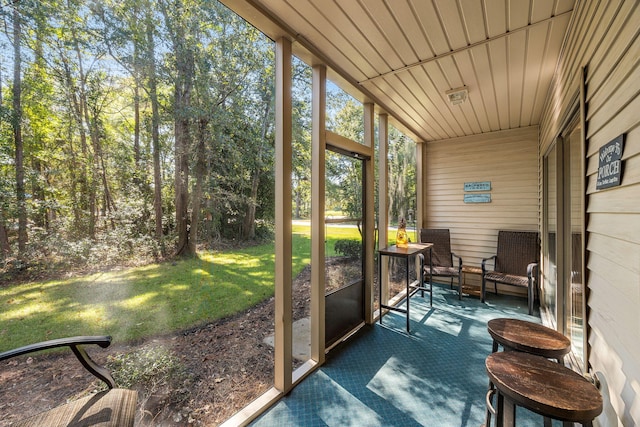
(182, 143)
(136, 108)
(185, 65)
(84, 197)
(203, 137)
(249, 226)
(155, 132)
(97, 172)
(182, 137)
(17, 133)
(5, 248)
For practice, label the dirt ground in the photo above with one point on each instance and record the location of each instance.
(226, 366)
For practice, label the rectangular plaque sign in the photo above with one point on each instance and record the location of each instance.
(610, 164)
(477, 198)
(477, 186)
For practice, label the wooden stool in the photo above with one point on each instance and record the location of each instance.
(542, 386)
(528, 337)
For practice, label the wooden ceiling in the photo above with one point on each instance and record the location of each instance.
(405, 55)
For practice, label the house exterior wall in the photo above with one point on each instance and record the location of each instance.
(506, 159)
(604, 38)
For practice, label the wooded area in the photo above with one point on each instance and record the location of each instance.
(141, 128)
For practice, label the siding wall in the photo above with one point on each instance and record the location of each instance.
(509, 159)
(604, 37)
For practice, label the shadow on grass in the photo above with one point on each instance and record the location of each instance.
(136, 303)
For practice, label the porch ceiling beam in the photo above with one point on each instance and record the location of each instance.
(465, 48)
(347, 145)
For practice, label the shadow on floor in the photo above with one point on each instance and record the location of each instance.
(382, 376)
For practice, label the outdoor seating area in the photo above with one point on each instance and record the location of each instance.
(443, 265)
(384, 376)
(310, 213)
(515, 263)
(114, 407)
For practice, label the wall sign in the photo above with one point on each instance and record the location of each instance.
(610, 164)
(477, 198)
(477, 186)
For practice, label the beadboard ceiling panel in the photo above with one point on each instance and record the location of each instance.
(404, 55)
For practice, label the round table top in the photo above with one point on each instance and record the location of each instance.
(543, 386)
(534, 338)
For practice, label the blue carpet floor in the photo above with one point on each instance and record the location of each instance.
(382, 376)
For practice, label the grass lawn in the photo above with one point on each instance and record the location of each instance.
(135, 303)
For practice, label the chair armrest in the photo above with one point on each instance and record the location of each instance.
(459, 260)
(75, 343)
(530, 268)
(484, 260)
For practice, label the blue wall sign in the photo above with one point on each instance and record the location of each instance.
(610, 164)
(477, 198)
(477, 186)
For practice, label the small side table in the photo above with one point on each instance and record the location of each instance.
(542, 386)
(413, 249)
(471, 290)
(528, 337)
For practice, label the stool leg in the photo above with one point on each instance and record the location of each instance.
(487, 421)
(499, 409)
(509, 412)
(488, 415)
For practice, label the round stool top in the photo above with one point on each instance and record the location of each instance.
(543, 386)
(521, 335)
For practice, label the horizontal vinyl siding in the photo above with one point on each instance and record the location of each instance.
(605, 38)
(508, 159)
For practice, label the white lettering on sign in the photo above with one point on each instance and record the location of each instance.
(615, 148)
(610, 164)
(609, 173)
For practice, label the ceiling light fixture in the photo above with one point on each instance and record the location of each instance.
(457, 96)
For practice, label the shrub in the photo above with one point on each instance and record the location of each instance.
(150, 370)
(348, 248)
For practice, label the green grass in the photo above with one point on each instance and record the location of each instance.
(135, 303)
(333, 234)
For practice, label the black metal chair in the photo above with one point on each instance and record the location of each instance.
(443, 265)
(115, 407)
(515, 263)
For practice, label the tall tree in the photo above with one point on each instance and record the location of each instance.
(17, 130)
(155, 120)
(181, 26)
(129, 32)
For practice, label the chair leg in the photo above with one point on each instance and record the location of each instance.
(530, 297)
(482, 288)
(459, 287)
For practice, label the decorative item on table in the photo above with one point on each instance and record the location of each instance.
(402, 238)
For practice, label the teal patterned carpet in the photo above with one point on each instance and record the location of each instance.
(382, 376)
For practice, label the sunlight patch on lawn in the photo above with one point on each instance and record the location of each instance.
(138, 301)
(24, 311)
(201, 272)
(93, 315)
